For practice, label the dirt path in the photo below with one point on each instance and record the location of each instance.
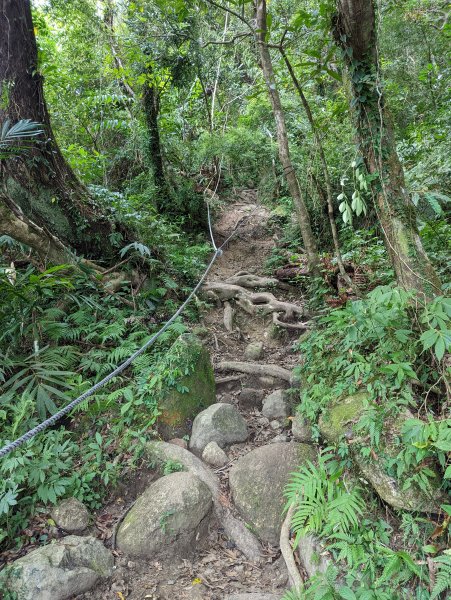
(220, 569)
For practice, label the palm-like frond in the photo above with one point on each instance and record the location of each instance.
(15, 138)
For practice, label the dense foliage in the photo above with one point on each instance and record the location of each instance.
(156, 106)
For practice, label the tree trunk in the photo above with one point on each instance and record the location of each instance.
(151, 110)
(355, 32)
(325, 168)
(282, 138)
(43, 184)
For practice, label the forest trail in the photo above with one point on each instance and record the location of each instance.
(220, 569)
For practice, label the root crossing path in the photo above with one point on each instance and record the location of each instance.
(250, 330)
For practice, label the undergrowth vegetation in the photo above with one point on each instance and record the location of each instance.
(392, 350)
(60, 334)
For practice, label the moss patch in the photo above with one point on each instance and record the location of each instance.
(192, 388)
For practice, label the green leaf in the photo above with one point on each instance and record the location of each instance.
(439, 348)
(346, 593)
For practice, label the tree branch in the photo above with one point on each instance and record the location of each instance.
(232, 12)
(226, 42)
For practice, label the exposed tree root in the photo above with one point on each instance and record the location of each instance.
(160, 452)
(266, 303)
(287, 551)
(223, 291)
(255, 369)
(249, 280)
(254, 303)
(228, 316)
(297, 326)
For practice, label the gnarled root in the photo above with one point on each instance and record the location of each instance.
(253, 302)
(287, 551)
(249, 280)
(296, 326)
(255, 369)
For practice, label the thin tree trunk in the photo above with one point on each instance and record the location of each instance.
(218, 72)
(282, 138)
(325, 168)
(43, 185)
(151, 111)
(108, 19)
(355, 32)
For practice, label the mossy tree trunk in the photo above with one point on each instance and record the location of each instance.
(355, 32)
(151, 103)
(282, 139)
(43, 185)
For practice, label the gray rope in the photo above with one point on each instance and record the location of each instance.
(9, 447)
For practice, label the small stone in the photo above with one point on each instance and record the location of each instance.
(271, 383)
(179, 442)
(227, 399)
(275, 424)
(220, 423)
(254, 351)
(214, 455)
(263, 421)
(275, 406)
(71, 515)
(302, 431)
(250, 398)
(282, 437)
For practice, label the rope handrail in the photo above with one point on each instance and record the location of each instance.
(10, 446)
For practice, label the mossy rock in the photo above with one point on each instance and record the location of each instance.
(339, 421)
(257, 482)
(196, 379)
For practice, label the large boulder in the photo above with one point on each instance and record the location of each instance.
(275, 405)
(192, 389)
(220, 423)
(340, 420)
(257, 481)
(71, 566)
(168, 519)
(71, 515)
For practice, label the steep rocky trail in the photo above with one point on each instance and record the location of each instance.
(218, 568)
(236, 547)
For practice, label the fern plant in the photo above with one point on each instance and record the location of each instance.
(323, 504)
(442, 575)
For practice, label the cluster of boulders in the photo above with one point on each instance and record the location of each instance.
(171, 517)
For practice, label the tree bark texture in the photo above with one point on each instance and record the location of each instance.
(151, 104)
(282, 138)
(43, 185)
(355, 32)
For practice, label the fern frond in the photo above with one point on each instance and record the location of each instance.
(442, 576)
